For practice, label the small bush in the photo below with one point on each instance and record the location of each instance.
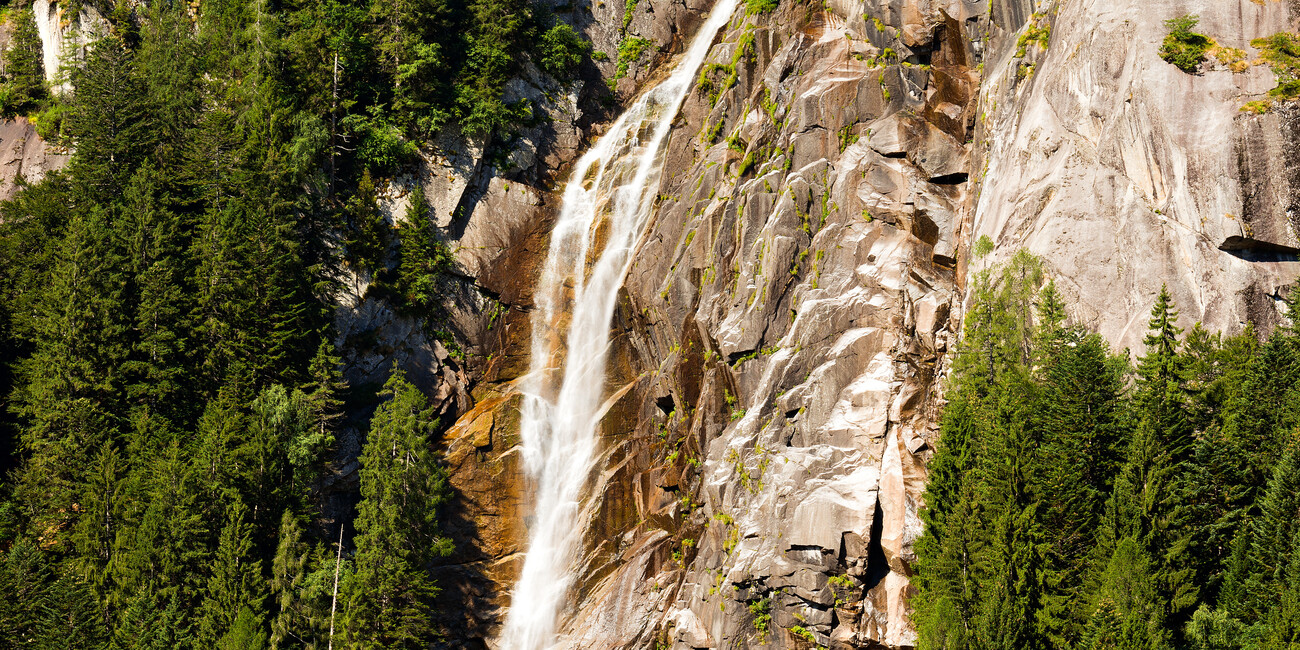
(761, 610)
(760, 6)
(1231, 57)
(51, 122)
(1282, 53)
(1036, 34)
(1258, 107)
(563, 50)
(382, 147)
(628, 53)
(1182, 47)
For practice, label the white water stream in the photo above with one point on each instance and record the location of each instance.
(607, 202)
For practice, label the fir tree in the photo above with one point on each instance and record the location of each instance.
(109, 120)
(235, 586)
(24, 66)
(1083, 431)
(389, 598)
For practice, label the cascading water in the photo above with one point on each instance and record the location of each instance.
(607, 197)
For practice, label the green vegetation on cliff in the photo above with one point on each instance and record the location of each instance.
(1078, 501)
(1183, 47)
(172, 395)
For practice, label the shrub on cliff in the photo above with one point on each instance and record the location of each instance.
(1183, 47)
(562, 51)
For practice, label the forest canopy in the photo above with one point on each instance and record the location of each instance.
(172, 386)
(1077, 500)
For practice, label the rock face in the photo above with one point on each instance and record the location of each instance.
(780, 342)
(64, 38)
(787, 316)
(1124, 172)
(24, 155)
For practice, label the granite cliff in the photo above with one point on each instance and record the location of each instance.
(781, 337)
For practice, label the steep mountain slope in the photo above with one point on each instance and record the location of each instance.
(788, 313)
(783, 331)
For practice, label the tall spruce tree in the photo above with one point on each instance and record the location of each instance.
(24, 67)
(235, 590)
(389, 600)
(1147, 526)
(1083, 433)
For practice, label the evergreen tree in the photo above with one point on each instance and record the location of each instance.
(389, 598)
(412, 41)
(302, 585)
(1050, 335)
(1148, 521)
(42, 607)
(322, 406)
(164, 549)
(947, 589)
(153, 238)
(235, 591)
(495, 38)
(71, 384)
(1261, 572)
(423, 256)
(1083, 431)
(1012, 566)
(110, 120)
(24, 66)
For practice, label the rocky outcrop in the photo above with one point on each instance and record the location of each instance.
(780, 344)
(1124, 172)
(24, 156)
(65, 38)
(788, 312)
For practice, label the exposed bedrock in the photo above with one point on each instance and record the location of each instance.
(1124, 172)
(780, 342)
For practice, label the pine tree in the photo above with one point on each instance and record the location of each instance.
(153, 239)
(1147, 510)
(1104, 628)
(164, 548)
(947, 596)
(1261, 569)
(1050, 335)
(101, 499)
(1128, 584)
(495, 37)
(301, 584)
(1083, 431)
(42, 607)
(1012, 567)
(322, 406)
(423, 256)
(389, 598)
(152, 622)
(69, 396)
(367, 245)
(413, 42)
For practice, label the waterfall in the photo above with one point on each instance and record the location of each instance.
(608, 197)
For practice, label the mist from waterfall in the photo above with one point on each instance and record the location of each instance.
(609, 196)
